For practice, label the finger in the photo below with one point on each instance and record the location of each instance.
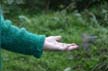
(65, 44)
(71, 47)
(57, 38)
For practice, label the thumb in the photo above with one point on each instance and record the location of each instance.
(57, 38)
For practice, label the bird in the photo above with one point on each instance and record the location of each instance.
(87, 40)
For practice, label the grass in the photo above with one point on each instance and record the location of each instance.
(70, 27)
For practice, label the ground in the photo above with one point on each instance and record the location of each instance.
(70, 27)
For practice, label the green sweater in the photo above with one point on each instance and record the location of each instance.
(19, 40)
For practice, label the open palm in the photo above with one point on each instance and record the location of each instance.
(53, 43)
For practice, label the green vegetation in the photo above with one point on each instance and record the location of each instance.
(71, 25)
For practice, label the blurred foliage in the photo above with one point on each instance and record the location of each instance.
(70, 27)
(101, 67)
(88, 7)
(68, 18)
(52, 4)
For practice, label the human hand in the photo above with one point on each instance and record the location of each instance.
(53, 43)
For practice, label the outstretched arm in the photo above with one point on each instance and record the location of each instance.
(22, 41)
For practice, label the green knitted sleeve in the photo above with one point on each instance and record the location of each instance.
(20, 40)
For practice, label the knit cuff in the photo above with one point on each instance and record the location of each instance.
(38, 48)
